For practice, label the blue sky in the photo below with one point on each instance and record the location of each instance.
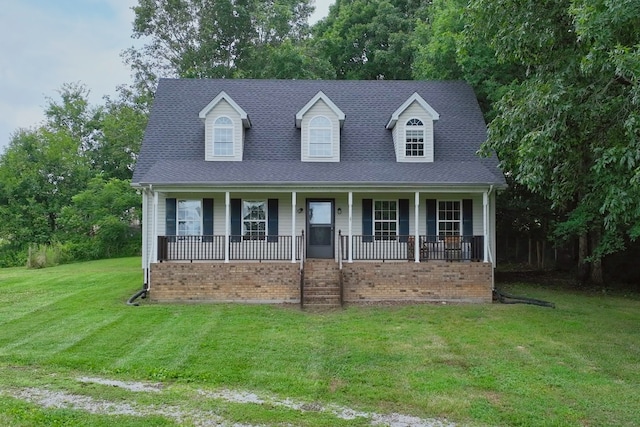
(46, 43)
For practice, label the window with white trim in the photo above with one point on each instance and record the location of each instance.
(449, 218)
(189, 214)
(254, 219)
(320, 137)
(414, 138)
(385, 219)
(223, 136)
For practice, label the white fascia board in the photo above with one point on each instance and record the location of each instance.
(223, 95)
(320, 95)
(413, 98)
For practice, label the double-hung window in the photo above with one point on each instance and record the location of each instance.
(254, 219)
(449, 218)
(223, 136)
(414, 141)
(320, 137)
(385, 219)
(189, 217)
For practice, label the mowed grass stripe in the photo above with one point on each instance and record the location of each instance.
(154, 323)
(38, 298)
(169, 355)
(474, 364)
(58, 335)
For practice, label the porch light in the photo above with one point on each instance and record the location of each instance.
(300, 210)
(339, 211)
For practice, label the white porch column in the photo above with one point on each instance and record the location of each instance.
(485, 223)
(154, 241)
(350, 243)
(416, 232)
(145, 231)
(293, 227)
(227, 224)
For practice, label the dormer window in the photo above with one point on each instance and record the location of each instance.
(225, 123)
(223, 136)
(320, 121)
(412, 130)
(414, 133)
(320, 137)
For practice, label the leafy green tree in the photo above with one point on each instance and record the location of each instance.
(370, 39)
(73, 114)
(40, 171)
(103, 220)
(211, 38)
(287, 60)
(571, 130)
(115, 145)
(445, 51)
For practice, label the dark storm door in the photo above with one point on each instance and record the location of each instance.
(320, 226)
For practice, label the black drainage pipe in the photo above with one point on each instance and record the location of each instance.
(141, 293)
(505, 298)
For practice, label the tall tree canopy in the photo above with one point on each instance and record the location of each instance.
(43, 170)
(214, 38)
(444, 50)
(571, 130)
(370, 39)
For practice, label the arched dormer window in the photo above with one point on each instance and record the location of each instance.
(223, 136)
(320, 137)
(414, 138)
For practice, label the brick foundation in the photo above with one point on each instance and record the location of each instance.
(267, 282)
(278, 282)
(407, 281)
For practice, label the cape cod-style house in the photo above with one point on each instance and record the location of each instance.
(311, 191)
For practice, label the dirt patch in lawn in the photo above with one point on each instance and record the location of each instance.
(63, 400)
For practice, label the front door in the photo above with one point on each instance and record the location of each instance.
(320, 226)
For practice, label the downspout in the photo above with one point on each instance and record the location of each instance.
(145, 257)
(416, 220)
(489, 251)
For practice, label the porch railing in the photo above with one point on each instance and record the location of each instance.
(449, 248)
(212, 248)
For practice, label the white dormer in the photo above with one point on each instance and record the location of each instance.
(412, 129)
(320, 121)
(224, 126)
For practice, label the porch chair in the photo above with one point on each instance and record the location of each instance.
(453, 248)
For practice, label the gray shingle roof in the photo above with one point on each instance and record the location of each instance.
(173, 148)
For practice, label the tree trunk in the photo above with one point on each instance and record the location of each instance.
(530, 252)
(583, 253)
(544, 251)
(596, 264)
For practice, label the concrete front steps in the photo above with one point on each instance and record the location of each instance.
(321, 284)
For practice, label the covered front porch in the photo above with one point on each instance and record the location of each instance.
(258, 245)
(342, 225)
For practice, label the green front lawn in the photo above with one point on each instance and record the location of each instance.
(471, 364)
